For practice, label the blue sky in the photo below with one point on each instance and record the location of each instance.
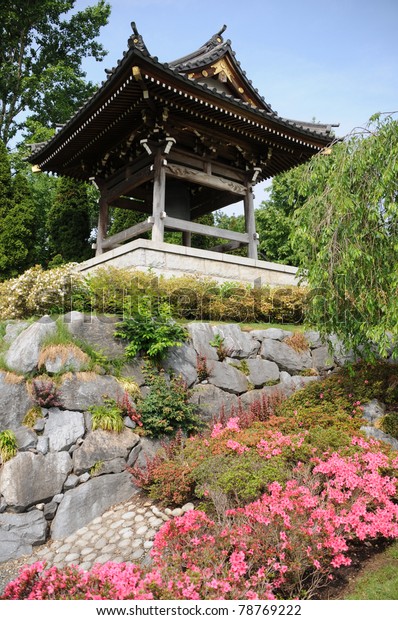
(332, 60)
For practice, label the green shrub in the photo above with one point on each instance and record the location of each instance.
(240, 478)
(151, 330)
(389, 424)
(172, 482)
(8, 445)
(107, 417)
(166, 408)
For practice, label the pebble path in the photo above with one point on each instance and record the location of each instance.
(124, 533)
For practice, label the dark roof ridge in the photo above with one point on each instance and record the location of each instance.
(215, 41)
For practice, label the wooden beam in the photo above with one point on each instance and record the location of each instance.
(184, 157)
(159, 197)
(204, 229)
(103, 219)
(129, 233)
(201, 178)
(127, 184)
(250, 222)
(131, 205)
(226, 247)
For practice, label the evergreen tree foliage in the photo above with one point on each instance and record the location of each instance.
(124, 218)
(346, 235)
(68, 222)
(16, 221)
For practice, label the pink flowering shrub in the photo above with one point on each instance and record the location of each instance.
(288, 491)
(110, 581)
(285, 544)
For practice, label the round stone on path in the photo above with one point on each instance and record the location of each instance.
(141, 530)
(117, 524)
(148, 544)
(155, 522)
(100, 544)
(109, 548)
(63, 549)
(86, 551)
(150, 534)
(128, 515)
(137, 554)
(124, 544)
(72, 557)
(136, 543)
(177, 512)
(85, 565)
(138, 518)
(105, 557)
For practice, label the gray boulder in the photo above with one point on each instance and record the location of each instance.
(20, 532)
(285, 357)
(149, 447)
(81, 505)
(209, 400)
(262, 371)
(133, 370)
(376, 433)
(253, 396)
(102, 446)
(81, 391)
(12, 546)
(97, 331)
(15, 401)
(201, 334)
(237, 343)
(373, 410)
(182, 361)
(340, 353)
(13, 329)
(28, 478)
(228, 378)
(314, 339)
(63, 428)
(26, 438)
(322, 359)
(273, 333)
(23, 354)
(66, 358)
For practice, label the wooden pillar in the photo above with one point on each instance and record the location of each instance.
(250, 222)
(159, 193)
(187, 238)
(103, 219)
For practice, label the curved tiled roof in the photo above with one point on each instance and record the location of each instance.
(214, 49)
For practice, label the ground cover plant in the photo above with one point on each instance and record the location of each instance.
(284, 492)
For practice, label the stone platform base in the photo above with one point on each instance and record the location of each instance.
(173, 260)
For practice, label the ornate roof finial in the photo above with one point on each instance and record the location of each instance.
(217, 38)
(136, 40)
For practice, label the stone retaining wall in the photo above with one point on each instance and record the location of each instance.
(65, 474)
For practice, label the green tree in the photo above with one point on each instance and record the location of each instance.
(274, 219)
(42, 46)
(124, 218)
(68, 221)
(346, 235)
